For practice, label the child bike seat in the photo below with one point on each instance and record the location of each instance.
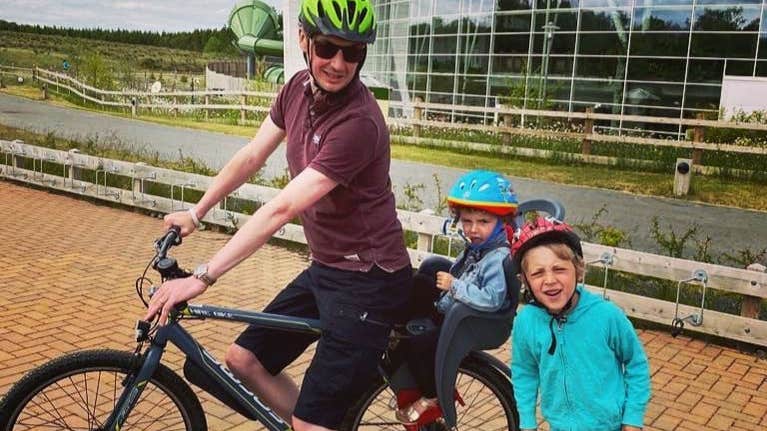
(465, 329)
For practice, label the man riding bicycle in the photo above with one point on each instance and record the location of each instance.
(338, 157)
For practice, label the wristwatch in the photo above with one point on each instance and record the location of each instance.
(201, 273)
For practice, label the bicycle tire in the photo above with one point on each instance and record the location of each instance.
(489, 398)
(79, 390)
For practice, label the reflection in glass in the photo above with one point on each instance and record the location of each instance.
(561, 43)
(651, 94)
(653, 19)
(448, 25)
(732, 45)
(512, 44)
(473, 64)
(724, 18)
(509, 5)
(739, 67)
(656, 69)
(594, 91)
(705, 71)
(565, 21)
(445, 44)
(605, 20)
(763, 46)
(702, 96)
(476, 6)
(443, 63)
(507, 64)
(600, 67)
(660, 44)
(512, 23)
(604, 43)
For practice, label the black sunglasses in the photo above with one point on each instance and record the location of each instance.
(327, 50)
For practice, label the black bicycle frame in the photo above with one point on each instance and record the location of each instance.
(216, 372)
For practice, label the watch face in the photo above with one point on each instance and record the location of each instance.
(200, 270)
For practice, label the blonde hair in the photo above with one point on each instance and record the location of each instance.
(564, 252)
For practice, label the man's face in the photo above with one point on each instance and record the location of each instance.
(333, 60)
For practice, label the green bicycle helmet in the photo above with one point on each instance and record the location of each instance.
(352, 20)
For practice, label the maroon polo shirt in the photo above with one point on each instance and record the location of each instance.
(344, 136)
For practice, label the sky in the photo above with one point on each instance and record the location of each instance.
(152, 15)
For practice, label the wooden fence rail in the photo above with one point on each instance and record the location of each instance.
(64, 171)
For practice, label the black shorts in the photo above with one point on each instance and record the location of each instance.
(357, 311)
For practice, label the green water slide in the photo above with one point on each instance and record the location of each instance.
(257, 27)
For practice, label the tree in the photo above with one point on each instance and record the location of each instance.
(96, 72)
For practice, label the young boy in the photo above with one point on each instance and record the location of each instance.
(578, 350)
(480, 200)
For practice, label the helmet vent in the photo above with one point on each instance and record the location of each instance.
(337, 8)
(320, 10)
(363, 14)
(352, 6)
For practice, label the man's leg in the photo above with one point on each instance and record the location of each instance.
(278, 392)
(259, 355)
(299, 425)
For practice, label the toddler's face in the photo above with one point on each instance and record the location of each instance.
(477, 225)
(551, 278)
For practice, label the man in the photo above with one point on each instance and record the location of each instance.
(360, 276)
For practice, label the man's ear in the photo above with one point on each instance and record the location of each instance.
(303, 41)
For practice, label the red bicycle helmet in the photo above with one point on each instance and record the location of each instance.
(543, 231)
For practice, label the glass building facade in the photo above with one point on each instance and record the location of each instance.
(633, 57)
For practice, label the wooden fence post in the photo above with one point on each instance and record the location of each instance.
(588, 128)
(207, 112)
(243, 101)
(175, 106)
(45, 91)
(424, 242)
(751, 304)
(417, 115)
(697, 137)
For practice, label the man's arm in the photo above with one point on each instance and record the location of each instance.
(300, 193)
(247, 161)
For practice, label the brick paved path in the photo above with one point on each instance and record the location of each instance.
(67, 272)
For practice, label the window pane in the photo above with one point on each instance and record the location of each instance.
(665, 2)
(558, 66)
(598, 91)
(723, 18)
(442, 83)
(662, 19)
(472, 85)
(719, 44)
(601, 67)
(507, 5)
(420, 29)
(512, 23)
(476, 6)
(561, 43)
(446, 7)
(511, 44)
(565, 21)
(445, 44)
(705, 71)
(473, 64)
(505, 64)
(418, 63)
(416, 82)
(603, 43)
(652, 69)
(443, 63)
(763, 45)
(471, 44)
(605, 20)
(739, 67)
(444, 25)
(761, 68)
(477, 24)
(419, 45)
(606, 3)
(659, 44)
(649, 94)
(735, 2)
(702, 96)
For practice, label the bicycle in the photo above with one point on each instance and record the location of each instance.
(110, 390)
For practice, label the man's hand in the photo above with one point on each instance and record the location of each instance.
(182, 219)
(444, 280)
(171, 293)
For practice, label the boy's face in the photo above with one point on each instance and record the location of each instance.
(550, 278)
(477, 224)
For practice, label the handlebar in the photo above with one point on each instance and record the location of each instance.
(167, 266)
(170, 239)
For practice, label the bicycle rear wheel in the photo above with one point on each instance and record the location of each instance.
(79, 391)
(487, 394)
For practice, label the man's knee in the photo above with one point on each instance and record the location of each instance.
(242, 361)
(299, 425)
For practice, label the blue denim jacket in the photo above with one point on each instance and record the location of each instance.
(480, 281)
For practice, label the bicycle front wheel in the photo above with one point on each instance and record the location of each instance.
(489, 403)
(79, 392)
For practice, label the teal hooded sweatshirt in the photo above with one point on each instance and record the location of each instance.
(598, 377)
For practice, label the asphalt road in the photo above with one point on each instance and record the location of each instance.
(730, 229)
